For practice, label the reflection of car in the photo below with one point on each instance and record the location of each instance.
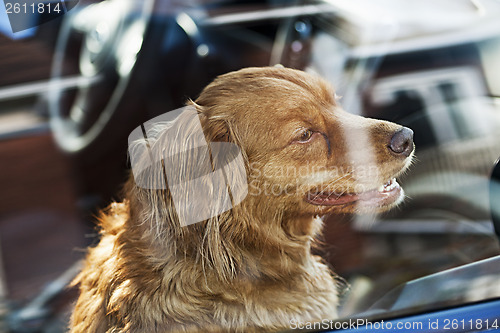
(432, 67)
(408, 307)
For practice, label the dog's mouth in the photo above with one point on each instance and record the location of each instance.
(385, 195)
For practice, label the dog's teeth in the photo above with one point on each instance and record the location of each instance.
(392, 185)
(389, 186)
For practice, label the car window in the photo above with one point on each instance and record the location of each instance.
(434, 79)
(430, 66)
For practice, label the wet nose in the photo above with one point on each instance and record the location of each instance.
(402, 142)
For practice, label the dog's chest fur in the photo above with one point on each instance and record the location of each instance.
(122, 291)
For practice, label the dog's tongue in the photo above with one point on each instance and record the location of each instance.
(383, 193)
(333, 199)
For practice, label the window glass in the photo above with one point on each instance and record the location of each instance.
(437, 77)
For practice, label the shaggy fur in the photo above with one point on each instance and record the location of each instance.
(249, 268)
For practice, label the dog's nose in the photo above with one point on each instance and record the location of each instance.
(402, 142)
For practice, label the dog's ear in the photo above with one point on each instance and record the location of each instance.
(216, 126)
(189, 175)
(217, 130)
(223, 135)
(180, 160)
(166, 153)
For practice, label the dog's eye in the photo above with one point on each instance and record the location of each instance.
(305, 136)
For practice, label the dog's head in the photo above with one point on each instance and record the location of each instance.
(303, 155)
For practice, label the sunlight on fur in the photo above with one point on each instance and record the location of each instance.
(248, 268)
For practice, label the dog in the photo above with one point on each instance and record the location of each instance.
(250, 268)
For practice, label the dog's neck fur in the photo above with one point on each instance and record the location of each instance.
(260, 249)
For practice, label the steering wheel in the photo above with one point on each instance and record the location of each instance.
(96, 53)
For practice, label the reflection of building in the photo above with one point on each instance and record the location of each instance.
(431, 66)
(435, 77)
(455, 133)
(455, 128)
(431, 94)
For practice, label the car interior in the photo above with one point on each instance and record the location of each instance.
(73, 86)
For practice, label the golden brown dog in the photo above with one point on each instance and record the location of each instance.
(249, 268)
